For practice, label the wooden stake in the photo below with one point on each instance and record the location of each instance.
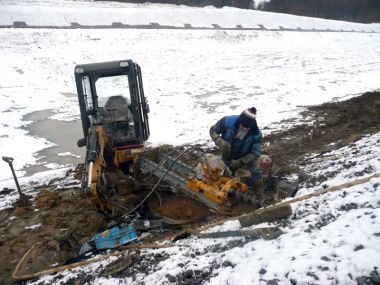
(265, 215)
(16, 275)
(330, 189)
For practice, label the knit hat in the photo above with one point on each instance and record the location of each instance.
(248, 118)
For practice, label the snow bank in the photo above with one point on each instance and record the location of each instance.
(67, 14)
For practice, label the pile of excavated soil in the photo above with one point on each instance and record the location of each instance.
(62, 220)
(182, 208)
(339, 122)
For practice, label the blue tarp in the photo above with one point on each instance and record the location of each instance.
(115, 237)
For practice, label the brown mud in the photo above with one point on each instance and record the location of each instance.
(341, 123)
(64, 219)
(180, 208)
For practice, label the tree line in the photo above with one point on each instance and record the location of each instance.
(364, 11)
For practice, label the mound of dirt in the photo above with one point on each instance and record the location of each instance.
(182, 208)
(341, 123)
(60, 221)
(47, 199)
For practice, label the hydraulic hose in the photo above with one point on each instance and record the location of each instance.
(159, 181)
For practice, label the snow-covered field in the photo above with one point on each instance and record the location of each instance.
(191, 77)
(330, 239)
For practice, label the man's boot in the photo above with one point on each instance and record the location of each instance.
(258, 191)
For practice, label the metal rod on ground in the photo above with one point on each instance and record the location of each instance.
(284, 204)
(9, 160)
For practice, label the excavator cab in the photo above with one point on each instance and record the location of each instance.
(114, 115)
(111, 94)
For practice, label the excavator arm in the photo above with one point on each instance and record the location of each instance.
(97, 183)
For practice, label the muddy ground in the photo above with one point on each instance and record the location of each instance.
(61, 220)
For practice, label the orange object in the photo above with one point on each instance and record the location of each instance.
(217, 190)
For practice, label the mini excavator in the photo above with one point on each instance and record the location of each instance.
(114, 114)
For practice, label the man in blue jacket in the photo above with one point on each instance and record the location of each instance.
(239, 140)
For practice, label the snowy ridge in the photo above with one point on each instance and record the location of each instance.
(65, 14)
(330, 239)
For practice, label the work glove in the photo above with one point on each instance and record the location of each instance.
(235, 164)
(224, 146)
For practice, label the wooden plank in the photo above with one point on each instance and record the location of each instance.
(17, 276)
(265, 215)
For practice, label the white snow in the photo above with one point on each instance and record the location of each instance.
(192, 77)
(33, 227)
(87, 13)
(67, 154)
(27, 185)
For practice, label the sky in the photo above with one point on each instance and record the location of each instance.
(192, 77)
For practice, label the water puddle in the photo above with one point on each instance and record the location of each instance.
(63, 134)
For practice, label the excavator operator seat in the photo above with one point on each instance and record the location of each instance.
(116, 109)
(118, 119)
